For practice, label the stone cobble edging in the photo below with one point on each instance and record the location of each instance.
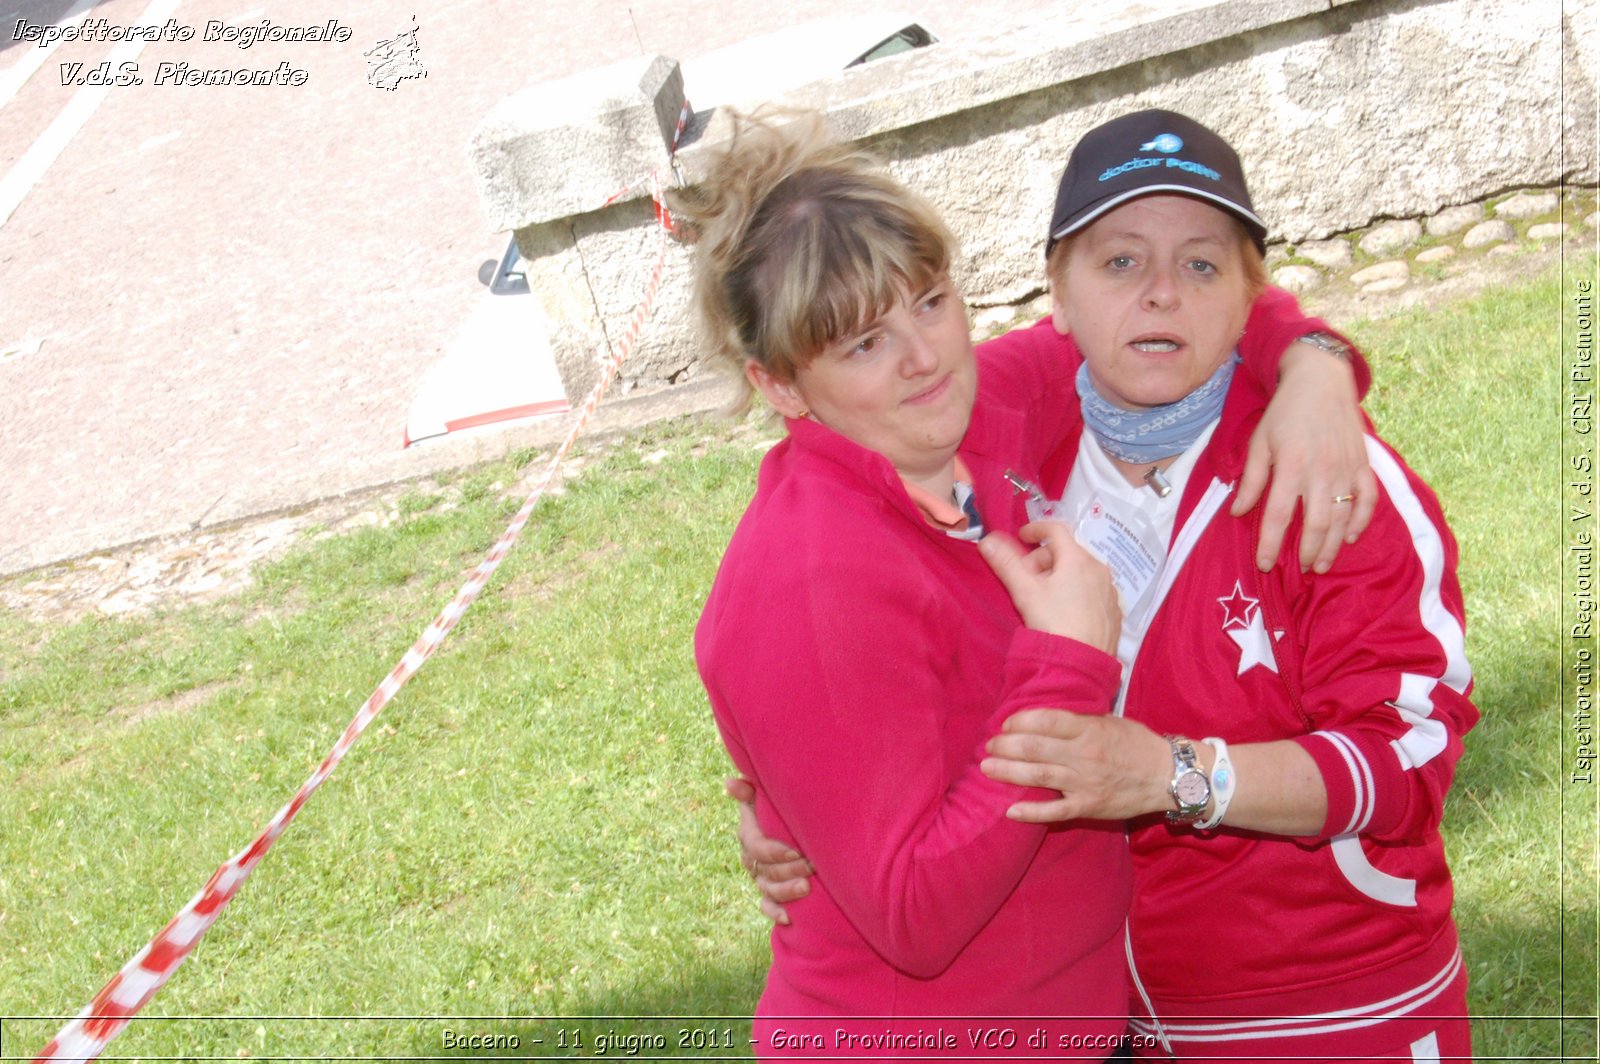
(1384, 267)
(199, 567)
(1386, 257)
(213, 563)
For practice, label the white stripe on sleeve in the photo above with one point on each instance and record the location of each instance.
(1427, 737)
(1360, 780)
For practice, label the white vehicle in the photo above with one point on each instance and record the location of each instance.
(498, 369)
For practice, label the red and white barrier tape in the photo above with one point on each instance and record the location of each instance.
(87, 1035)
(677, 135)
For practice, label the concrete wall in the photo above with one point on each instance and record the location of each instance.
(1344, 111)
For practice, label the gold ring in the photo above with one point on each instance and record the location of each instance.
(1337, 499)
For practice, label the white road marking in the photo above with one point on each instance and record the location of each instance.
(33, 56)
(16, 185)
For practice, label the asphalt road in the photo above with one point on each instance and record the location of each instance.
(217, 301)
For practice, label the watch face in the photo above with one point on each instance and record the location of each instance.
(1191, 789)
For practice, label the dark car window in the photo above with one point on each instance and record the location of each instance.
(911, 37)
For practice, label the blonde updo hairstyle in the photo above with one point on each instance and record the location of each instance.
(799, 240)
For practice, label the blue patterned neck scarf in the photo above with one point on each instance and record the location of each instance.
(1142, 436)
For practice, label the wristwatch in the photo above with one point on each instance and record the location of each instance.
(1190, 789)
(1326, 341)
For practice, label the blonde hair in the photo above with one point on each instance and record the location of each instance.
(1255, 267)
(799, 240)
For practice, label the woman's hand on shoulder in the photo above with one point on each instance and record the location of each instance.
(1059, 588)
(1311, 445)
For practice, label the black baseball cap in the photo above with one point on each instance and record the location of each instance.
(1143, 153)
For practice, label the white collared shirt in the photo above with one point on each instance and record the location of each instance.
(1127, 526)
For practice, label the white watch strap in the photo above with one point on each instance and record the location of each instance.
(1222, 783)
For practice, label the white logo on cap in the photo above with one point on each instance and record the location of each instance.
(1167, 142)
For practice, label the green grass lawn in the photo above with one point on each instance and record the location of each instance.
(1472, 395)
(535, 827)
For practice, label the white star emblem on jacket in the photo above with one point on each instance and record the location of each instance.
(1242, 623)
